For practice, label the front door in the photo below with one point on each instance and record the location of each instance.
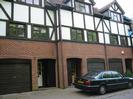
(74, 69)
(46, 73)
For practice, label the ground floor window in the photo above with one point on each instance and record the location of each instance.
(95, 64)
(116, 65)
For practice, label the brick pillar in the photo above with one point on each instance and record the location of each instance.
(124, 65)
(34, 74)
(84, 68)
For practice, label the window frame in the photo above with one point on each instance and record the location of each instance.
(125, 39)
(16, 25)
(113, 37)
(83, 5)
(92, 37)
(112, 13)
(40, 27)
(82, 33)
(33, 2)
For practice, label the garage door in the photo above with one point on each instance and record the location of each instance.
(14, 76)
(95, 65)
(115, 65)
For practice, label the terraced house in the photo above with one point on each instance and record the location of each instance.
(46, 43)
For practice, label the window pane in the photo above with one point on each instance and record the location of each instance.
(16, 30)
(114, 39)
(36, 2)
(123, 41)
(29, 1)
(92, 37)
(40, 33)
(77, 35)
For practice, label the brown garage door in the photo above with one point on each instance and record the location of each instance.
(14, 76)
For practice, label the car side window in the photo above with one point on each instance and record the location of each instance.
(107, 75)
(116, 75)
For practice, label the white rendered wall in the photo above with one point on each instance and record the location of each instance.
(6, 6)
(114, 28)
(50, 33)
(85, 35)
(119, 40)
(107, 26)
(66, 33)
(101, 37)
(98, 26)
(126, 29)
(29, 31)
(21, 13)
(129, 41)
(2, 28)
(78, 20)
(48, 22)
(37, 16)
(107, 39)
(2, 15)
(121, 29)
(66, 18)
(89, 22)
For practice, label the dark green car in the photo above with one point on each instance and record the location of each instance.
(102, 82)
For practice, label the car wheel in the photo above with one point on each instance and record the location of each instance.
(102, 90)
(130, 85)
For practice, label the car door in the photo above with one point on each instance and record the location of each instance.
(109, 81)
(121, 82)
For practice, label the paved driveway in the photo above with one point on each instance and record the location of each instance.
(69, 93)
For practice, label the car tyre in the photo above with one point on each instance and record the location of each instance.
(130, 85)
(102, 90)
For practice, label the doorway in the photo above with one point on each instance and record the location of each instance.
(74, 69)
(128, 63)
(46, 73)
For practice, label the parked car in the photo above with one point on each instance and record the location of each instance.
(103, 81)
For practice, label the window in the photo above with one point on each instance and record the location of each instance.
(123, 40)
(81, 7)
(115, 16)
(35, 2)
(116, 75)
(77, 35)
(113, 39)
(107, 75)
(92, 37)
(40, 33)
(17, 30)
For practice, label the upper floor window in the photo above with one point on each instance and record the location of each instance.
(123, 40)
(40, 33)
(92, 36)
(77, 35)
(116, 16)
(113, 39)
(17, 30)
(82, 7)
(35, 2)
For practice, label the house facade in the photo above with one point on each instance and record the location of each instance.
(47, 43)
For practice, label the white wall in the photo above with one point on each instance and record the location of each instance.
(119, 40)
(66, 33)
(2, 15)
(37, 15)
(101, 37)
(66, 18)
(78, 20)
(107, 39)
(21, 13)
(7, 7)
(48, 22)
(114, 27)
(99, 28)
(126, 29)
(129, 41)
(29, 31)
(107, 26)
(121, 29)
(2, 28)
(85, 36)
(89, 22)
(50, 33)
